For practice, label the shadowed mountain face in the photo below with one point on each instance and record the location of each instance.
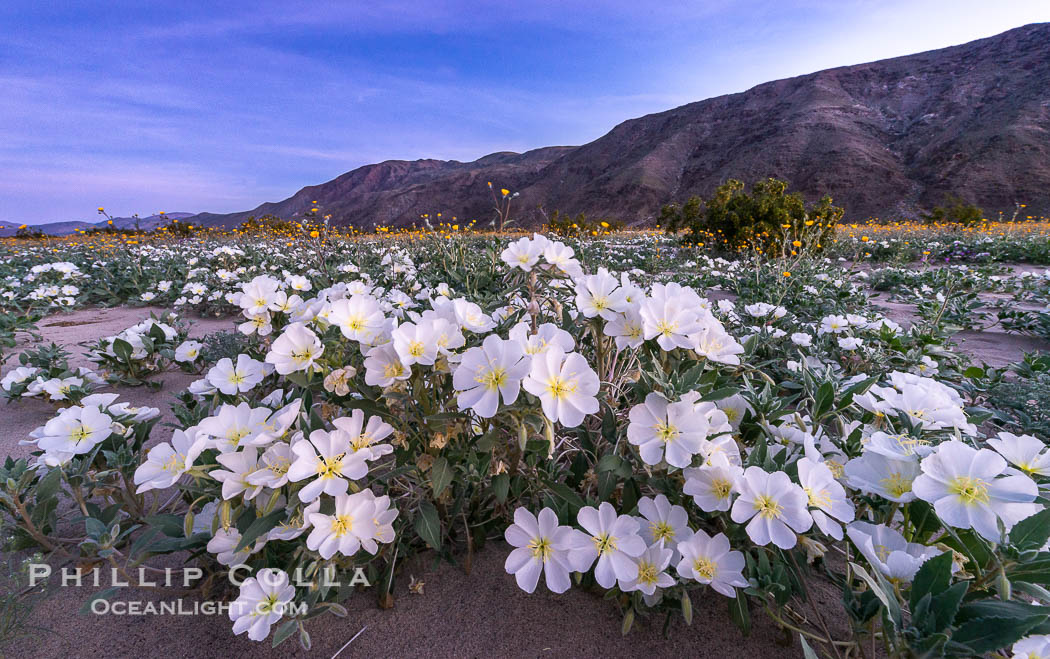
(885, 139)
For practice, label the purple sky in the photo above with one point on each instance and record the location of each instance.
(142, 107)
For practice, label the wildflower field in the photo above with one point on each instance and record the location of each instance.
(658, 425)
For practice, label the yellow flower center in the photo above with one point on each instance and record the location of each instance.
(705, 567)
(493, 379)
(767, 507)
(559, 388)
(330, 467)
(647, 572)
(897, 484)
(604, 543)
(541, 548)
(341, 525)
(416, 349)
(971, 491)
(665, 432)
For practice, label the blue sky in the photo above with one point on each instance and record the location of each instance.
(219, 106)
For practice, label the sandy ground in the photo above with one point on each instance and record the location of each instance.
(458, 615)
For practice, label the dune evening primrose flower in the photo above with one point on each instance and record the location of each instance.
(188, 351)
(76, 430)
(352, 521)
(231, 379)
(775, 506)
(1025, 452)
(651, 565)
(523, 253)
(710, 560)
(488, 372)
(888, 551)
(234, 426)
(663, 430)
(358, 317)
(712, 486)
(1032, 647)
(876, 473)
(548, 335)
(328, 459)
(565, 385)
(383, 367)
(827, 498)
(626, 328)
(600, 295)
(663, 522)
(295, 350)
(415, 344)
(166, 463)
(273, 466)
(365, 437)
(669, 315)
(239, 466)
(611, 539)
(261, 603)
(223, 543)
(540, 545)
(968, 489)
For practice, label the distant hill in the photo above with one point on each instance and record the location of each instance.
(886, 139)
(63, 228)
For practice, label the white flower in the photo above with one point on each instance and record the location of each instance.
(166, 463)
(188, 351)
(888, 551)
(967, 489)
(338, 381)
(802, 339)
(328, 459)
(415, 344)
(1025, 452)
(352, 522)
(663, 522)
(669, 315)
(876, 473)
(490, 371)
(714, 343)
(364, 437)
(295, 350)
(850, 343)
(626, 327)
(712, 486)
(273, 472)
(775, 506)
(565, 385)
(1032, 647)
(827, 498)
(261, 603)
(833, 324)
(76, 430)
(600, 295)
(231, 379)
(651, 565)
(383, 367)
(671, 431)
(234, 478)
(548, 335)
(611, 539)
(709, 560)
(225, 541)
(523, 253)
(234, 426)
(257, 294)
(541, 545)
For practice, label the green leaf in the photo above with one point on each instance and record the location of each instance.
(169, 525)
(883, 591)
(1034, 571)
(998, 609)
(49, 485)
(566, 494)
(933, 577)
(1031, 532)
(989, 634)
(739, 613)
(719, 394)
(428, 525)
(257, 528)
(440, 476)
(284, 632)
(946, 605)
(501, 486)
(807, 652)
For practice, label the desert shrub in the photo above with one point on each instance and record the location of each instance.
(955, 211)
(767, 219)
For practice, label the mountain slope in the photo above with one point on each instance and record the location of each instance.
(63, 228)
(885, 138)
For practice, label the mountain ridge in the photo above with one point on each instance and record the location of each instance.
(885, 138)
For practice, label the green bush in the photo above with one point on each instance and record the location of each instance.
(769, 219)
(956, 211)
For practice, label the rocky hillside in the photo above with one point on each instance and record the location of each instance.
(886, 139)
